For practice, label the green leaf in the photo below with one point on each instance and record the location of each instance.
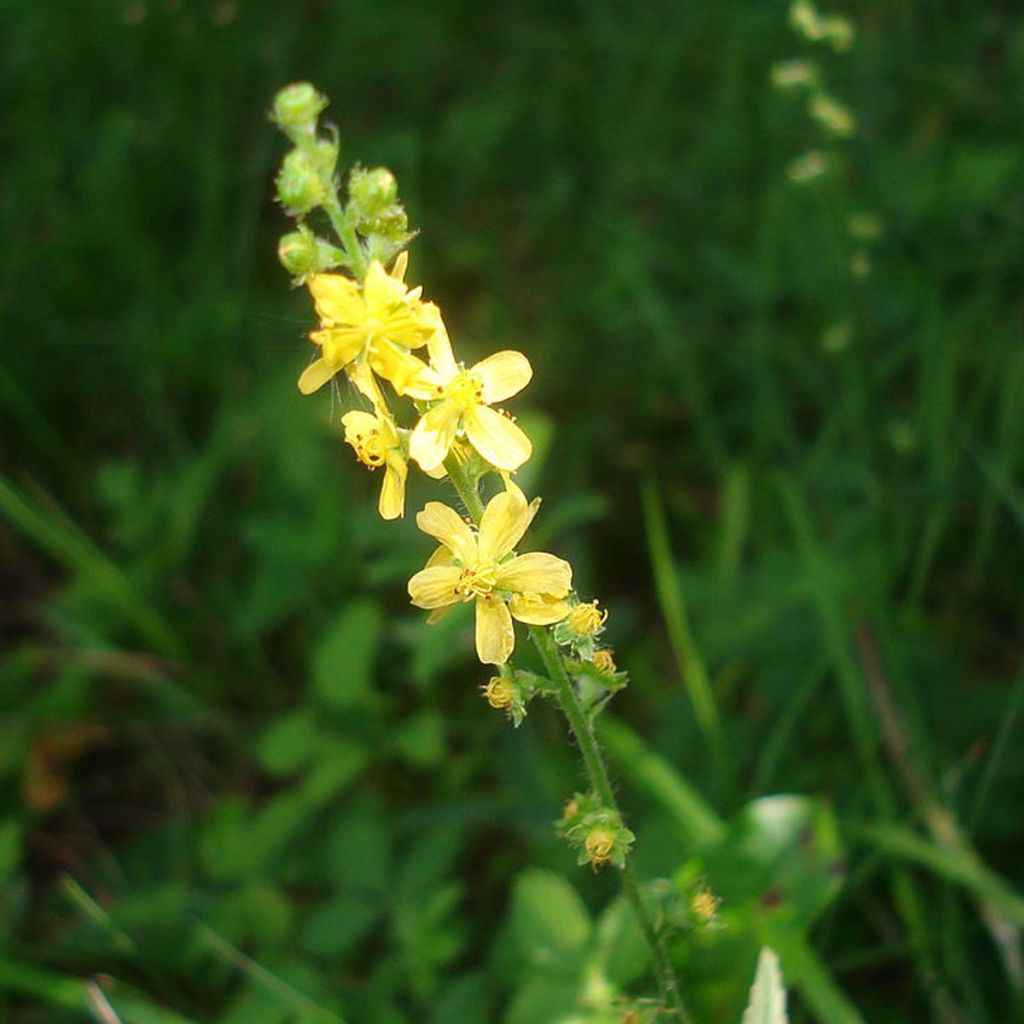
(550, 921)
(420, 740)
(780, 858)
(334, 929)
(767, 996)
(545, 1000)
(289, 743)
(343, 663)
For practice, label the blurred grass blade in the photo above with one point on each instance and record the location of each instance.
(68, 993)
(811, 978)
(956, 866)
(60, 538)
(652, 773)
(735, 521)
(1001, 482)
(308, 1009)
(821, 581)
(673, 609)
(998, 749)
(767, 996)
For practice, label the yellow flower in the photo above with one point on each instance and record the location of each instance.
(376, 324)
(462, 404)
(376, 442)
(475, 565)
(604, 660)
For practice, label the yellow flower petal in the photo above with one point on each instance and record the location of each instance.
(362, 376)
(395, 364)
(504, 522)
(433, 435)
(497, 438)
(426, 386)
(435, 587)
(441, 556)
(503, 375)
(401, 265)
(495, 634)
(444, 524)
(381, 292)
(439, 350)
(336, 298)
(339, 345)
(438, 614)
(316, 375)
(358, 422)
(535, 573)
(392, 490)
(538, 609)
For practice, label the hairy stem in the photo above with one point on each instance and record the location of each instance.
(593, 759)
(346, 235)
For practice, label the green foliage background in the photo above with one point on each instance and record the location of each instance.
(240, 782)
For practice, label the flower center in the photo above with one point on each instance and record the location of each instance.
(476, 580)
(465, 390)
(369, 448)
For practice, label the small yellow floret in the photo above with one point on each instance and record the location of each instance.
(587, 619)
(704, 905)
(498, 693)
(599, 845)
(604, 661)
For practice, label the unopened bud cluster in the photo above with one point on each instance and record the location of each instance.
(596, 832)
(372, 225)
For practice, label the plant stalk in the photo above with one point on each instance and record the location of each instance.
(593, 761)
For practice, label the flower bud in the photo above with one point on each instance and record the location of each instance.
(298, 253)
(586, 619)
(327, 156)
(297, 106)
(599, 844)
(498, 693)
(604, 660)
(704, 906)
(299, 186)
(370, 191)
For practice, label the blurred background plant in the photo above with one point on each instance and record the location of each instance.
(240, 783)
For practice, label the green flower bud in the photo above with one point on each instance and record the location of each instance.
(297, 106)
(371, 190)
(595, 832)
(299, 185)
(302, 253)
(297, 252)
(327, 156)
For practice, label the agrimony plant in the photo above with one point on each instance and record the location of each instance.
(424, 408)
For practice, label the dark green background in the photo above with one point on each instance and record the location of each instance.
(223, 732)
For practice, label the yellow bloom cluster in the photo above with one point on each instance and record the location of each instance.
(378, 330)
(371, 331)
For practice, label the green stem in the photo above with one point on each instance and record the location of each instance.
(346, 234)
(468, 488)
(355, 257)
(593, 760)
